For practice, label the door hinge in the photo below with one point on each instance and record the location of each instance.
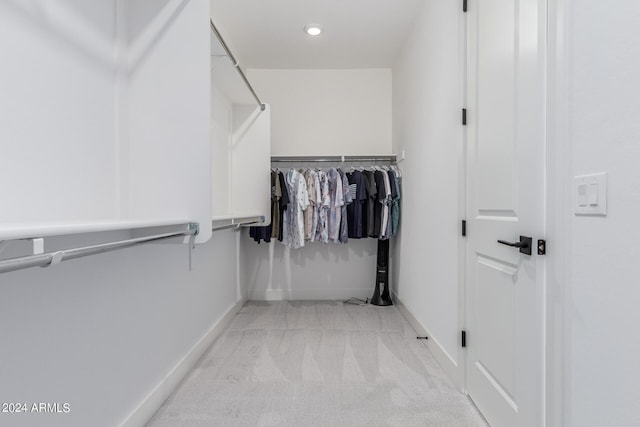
(463, 338)
(464, 5)
(464, 228)
(542, 247)
(464, 117)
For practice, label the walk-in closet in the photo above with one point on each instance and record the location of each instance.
(318, 213)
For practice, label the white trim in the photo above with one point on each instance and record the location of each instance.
(15, 231)
(558, 210)
(326, 294)
(154, 400)
(447, 363)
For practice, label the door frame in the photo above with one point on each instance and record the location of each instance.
(558, 210)
(462, 201)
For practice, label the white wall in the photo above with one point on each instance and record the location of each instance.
(241, 144)
(595, 275)
(315, 272)
(327, 112)
(100, 122)
(166, 155)
(320, 112)
(221, 130)
(250, 183)
(57, 108)
(427, 99)
(78, 87)
(100, 333)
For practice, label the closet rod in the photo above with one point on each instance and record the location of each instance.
(52, 258)
(236, 226)
(235, 222)
(235, 63)
(334, 159)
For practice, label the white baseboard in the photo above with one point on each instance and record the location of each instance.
(450, 366)
(154, 400)
(309, 294)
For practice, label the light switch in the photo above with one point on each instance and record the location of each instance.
(590, 194)
(583, 195)
(593, 194)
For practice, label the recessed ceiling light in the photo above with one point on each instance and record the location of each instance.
(313, 30)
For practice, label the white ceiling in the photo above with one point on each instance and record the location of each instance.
(357, 33)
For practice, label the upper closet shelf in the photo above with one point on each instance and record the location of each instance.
(14, 231)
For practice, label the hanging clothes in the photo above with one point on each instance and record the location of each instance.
(311, 213)
(381, 200)
(309, 205)
(294, 215)
(370, 203)
(337, 201)
(284, 204)
(385, 206)
(358, 192)
(259, 233)
(276, 197)
(395, 207)
(323, 207)
(346, 194)
(393, 193)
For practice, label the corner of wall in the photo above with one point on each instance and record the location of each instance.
(156, 397)
(426, 124)
(448, 363)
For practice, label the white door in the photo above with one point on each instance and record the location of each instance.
(506, 147)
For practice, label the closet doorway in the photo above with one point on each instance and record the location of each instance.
(505, 201)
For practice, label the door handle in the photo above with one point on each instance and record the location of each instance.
(513, 244)
(524, 244)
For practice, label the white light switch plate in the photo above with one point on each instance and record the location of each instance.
(590, 194)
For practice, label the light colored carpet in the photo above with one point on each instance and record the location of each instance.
(317, 364)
